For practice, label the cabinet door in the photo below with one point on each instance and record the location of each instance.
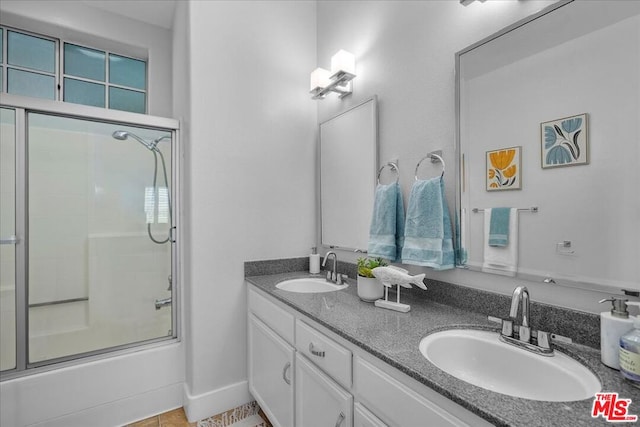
(320, 401)
(363, 418)
(271, 372)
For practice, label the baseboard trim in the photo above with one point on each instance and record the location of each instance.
(201, 406)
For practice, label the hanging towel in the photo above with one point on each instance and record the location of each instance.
(461, 238)
(501, 259)
(428, 240)
(499, 227)
(386, 233)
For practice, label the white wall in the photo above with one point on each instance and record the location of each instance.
(405, 54)
(251, 175)
(74, 21)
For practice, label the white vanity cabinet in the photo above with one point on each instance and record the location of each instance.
(271, 372)
(320, 401)
(292, 359)
(362, 417)
(271, 359)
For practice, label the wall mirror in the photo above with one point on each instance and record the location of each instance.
(348, 153)
(556, 97)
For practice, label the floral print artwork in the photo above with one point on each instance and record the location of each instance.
(564, 142)
(503, 169)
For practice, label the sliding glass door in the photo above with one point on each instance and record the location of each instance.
(97, 236)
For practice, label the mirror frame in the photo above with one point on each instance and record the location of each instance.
(374, 100)
(460, 163)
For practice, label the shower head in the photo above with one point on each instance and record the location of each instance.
(122, 135)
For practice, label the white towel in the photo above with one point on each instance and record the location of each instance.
(501, 259)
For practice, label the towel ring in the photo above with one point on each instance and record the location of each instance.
(433, 157)
(393, 167)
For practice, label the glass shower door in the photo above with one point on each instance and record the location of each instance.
(100, 246)
(8, 239)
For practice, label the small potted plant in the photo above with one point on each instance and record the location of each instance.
(369, 288)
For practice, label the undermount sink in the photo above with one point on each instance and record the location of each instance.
(309, 285)
(480, 358)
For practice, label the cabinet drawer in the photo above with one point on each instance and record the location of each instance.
(396, 404)
(275, 317)
(328, 355)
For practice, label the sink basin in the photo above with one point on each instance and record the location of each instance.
(309, 286)
(480, 358)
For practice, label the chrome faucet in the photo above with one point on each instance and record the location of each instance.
(521, 294)
(332, 275)
(538, 342)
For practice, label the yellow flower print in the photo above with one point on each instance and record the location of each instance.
(492, 173)
(502, 159)
(511, 171)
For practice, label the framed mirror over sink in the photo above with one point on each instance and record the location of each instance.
(348, 157)
(548, 123)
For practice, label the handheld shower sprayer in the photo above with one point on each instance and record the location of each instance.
(152, 146)
(122, 135)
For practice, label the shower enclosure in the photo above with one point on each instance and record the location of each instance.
(88, 260)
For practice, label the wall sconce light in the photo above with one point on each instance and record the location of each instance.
(343, 67)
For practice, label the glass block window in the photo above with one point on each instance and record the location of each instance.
(28, 64)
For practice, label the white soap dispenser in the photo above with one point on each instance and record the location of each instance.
(613, 324)
(314, 261)
(630, 351)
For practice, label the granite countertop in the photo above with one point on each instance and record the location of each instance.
(394, 337)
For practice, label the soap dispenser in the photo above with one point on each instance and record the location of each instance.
(613, 324)
(314, 261)
(630, 351)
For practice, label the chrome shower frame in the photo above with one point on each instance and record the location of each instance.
(22, 106)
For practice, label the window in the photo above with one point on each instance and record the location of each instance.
(88, 76)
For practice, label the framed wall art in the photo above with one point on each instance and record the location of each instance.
(564, 142)
(504, 169)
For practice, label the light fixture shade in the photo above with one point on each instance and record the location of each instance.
(319, 79)
(343, 62)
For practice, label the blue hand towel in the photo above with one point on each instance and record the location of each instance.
(499, 227)
(428, 240)
(386, 233)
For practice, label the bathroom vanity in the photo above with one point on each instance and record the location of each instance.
(331, 359)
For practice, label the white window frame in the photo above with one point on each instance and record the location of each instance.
(59, 74)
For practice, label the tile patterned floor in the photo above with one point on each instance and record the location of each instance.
(177, 418)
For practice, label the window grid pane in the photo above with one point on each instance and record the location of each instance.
(83, 92)
(35, 85)
(127, 72)
(31, 52)
(127, 100)
(84, 62)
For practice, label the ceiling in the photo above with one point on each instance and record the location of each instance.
(155, 12)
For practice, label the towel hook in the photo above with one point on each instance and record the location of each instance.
(433, 157)
(394, 167)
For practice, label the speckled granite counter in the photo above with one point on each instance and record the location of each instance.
(394, 338)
